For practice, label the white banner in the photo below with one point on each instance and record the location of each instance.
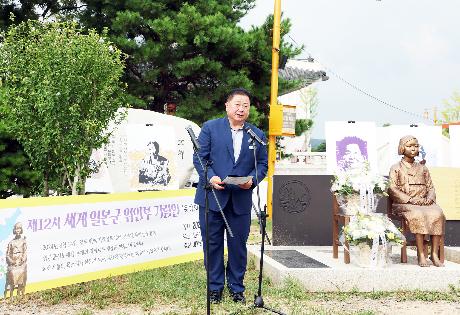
(146, 151)
(429, 138)
(454, 133)
(89, 237)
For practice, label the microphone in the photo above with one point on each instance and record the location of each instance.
(253, 135)
(196, 145)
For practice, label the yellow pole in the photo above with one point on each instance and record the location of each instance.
(273, 103)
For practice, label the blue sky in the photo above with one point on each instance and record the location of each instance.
(404, 52)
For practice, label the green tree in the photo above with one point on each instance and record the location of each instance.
(23, 11)
(309, 96)
(190, 52)
(451, 112)
(16, 174)
(302, 125)
(60, 90)
(33, 10)
(320, 147)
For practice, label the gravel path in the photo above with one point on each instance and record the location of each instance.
(381, 306)
(391, 306)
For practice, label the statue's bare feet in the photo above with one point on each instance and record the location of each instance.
(422, 262)
(436, 261)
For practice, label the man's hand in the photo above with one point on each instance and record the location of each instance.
(216, 183)
(246, 185)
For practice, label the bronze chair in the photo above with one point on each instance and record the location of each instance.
(336, 218)
(406, 233)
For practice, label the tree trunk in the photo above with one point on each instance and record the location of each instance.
(46, 189)
(76, 180)
(82, 190)
(306, 141)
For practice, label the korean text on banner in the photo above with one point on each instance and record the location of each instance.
(81, 238)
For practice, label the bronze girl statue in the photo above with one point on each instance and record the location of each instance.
(413, 196)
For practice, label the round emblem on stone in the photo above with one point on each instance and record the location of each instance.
(294, 197)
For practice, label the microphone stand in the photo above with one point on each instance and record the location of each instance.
(258, 212)
(207, 189)
(260, 221)
(258, 300)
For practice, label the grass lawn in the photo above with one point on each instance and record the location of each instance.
(181, 289)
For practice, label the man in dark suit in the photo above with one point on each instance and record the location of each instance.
(225, 142)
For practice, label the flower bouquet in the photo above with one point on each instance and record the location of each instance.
(358, 190)
(373, 235)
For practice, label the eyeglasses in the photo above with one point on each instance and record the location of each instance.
(239, 105)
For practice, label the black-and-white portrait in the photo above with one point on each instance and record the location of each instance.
(154, 168)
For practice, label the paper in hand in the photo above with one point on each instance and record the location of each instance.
(236, 180)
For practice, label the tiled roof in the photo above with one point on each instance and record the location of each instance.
(307, 71)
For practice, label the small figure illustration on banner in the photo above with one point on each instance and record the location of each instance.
(16, 260)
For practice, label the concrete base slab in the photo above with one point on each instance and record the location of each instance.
(338, 276)
(452, 254)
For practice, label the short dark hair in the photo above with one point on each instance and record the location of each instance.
(238, 91)
(156, 145)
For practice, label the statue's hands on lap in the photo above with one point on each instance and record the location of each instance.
(419, 201)
(428, 202)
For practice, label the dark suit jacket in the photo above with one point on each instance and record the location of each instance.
(217, 146)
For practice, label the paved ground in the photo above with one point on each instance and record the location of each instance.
(329, 274)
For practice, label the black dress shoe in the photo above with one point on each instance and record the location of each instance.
(215, 296)
(238, 297)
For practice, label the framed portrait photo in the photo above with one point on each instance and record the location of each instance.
(350, 146)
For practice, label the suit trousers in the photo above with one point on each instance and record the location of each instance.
(236, 247)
